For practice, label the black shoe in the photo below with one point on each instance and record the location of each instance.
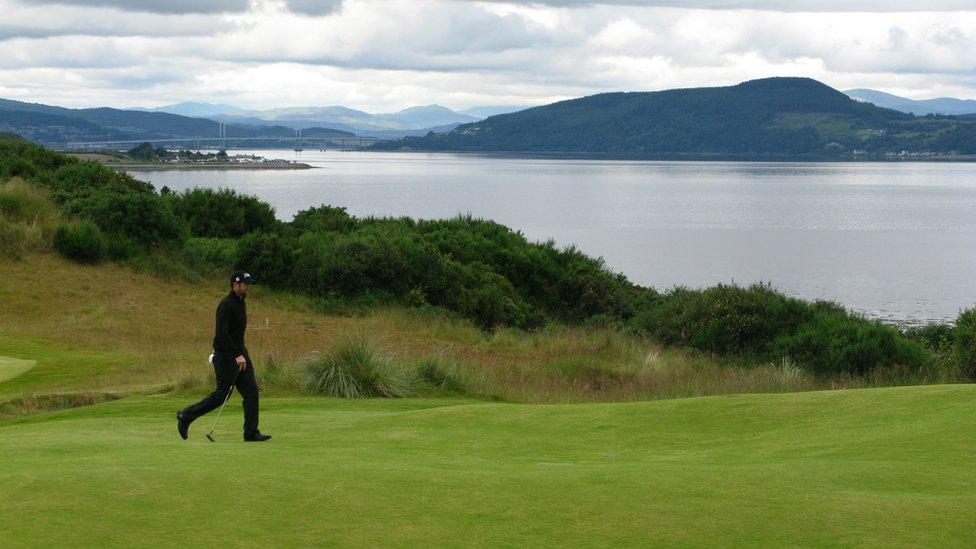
(257, 437)
(182, 425)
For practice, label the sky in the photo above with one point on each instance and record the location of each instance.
(384, 55)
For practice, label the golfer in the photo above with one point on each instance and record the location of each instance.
(231, 362)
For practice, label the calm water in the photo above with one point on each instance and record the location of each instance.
(896, 241)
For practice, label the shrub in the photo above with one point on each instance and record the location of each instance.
(271, 257)
(937, 337)
(725, 319)
(965, 343)
(354, 368)
(81, 241)
(210, 255)
(221, 213)
(837, 343)
(323, 218)
(760, 323)
(145, 218)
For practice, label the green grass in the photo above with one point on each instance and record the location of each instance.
(13, 367)
(878, 467)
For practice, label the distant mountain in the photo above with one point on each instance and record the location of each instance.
(194, 109)
(492, 110)
(939, 105)
(772, 117)
(412, 120)
(52, 125)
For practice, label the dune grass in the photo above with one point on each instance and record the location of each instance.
(875, 467)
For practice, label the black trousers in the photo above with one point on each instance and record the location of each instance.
(225, 368)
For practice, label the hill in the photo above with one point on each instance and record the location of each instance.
(773, 117)
(52, 125)
(10, 136)
(194, 108)
(409, 121)
(938, 105)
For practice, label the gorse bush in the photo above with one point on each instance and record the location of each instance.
(354, 368)
(835, 343)
(758, 322)
(964, 346)
(221, 213)
(725, 319)
(81, 241)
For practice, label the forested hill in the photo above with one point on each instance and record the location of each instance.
(56, 125)
(773, 117)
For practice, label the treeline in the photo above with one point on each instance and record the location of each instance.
(476, 268)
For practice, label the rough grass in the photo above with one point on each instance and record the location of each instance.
(889, 467)
(28, 218)
(108, 328)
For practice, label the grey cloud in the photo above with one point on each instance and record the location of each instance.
(778, 5)
(155, 6)
(313, 7)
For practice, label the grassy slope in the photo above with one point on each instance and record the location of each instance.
(879, 467)
(106, 328)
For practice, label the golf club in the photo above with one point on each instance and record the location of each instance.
(229, 391)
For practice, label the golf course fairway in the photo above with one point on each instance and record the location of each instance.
(13, 367)
(873, 467)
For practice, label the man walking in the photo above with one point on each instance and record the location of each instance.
(231, 362)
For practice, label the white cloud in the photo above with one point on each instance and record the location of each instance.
(395, 53)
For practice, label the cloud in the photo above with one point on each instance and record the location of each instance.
(156, 6)
(775, 5)
(383, 56)
(313, 7)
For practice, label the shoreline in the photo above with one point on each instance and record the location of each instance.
(206, 167)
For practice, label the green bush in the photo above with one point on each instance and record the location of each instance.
(725, 319)
(81, 241)
(760, 323)
(273, 257)
(210, 255)
(836, 343)
(354, 368)
(145, 218)
(222, 213)
(323, 218)
(965, 343)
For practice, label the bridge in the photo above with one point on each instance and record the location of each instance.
(354, 142)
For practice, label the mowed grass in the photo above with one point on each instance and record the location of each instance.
(872, 467)
(13, 367)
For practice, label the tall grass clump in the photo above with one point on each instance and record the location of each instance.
(441, 375)
(27, 217)
(354, 368)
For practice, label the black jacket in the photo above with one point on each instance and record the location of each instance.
(230, 326)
